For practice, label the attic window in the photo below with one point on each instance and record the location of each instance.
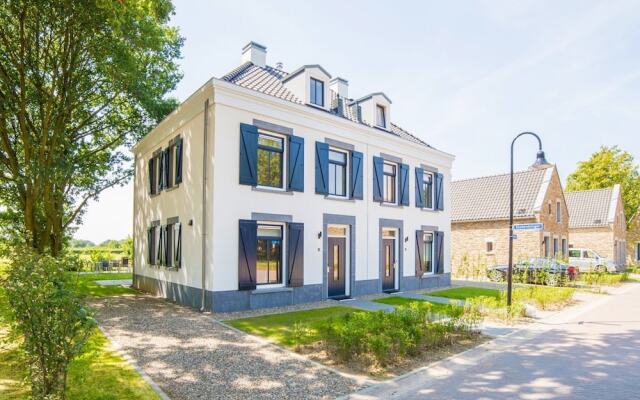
(381, 120)
(521, 211)
(597, 221)
(317, 92)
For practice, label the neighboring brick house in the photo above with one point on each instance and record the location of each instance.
(597, 222)
(633, 239)
(480, 216)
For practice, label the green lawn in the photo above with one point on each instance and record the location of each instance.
(98, 373)
(280, 327)
(436, 308)
(88, 286)
(463, 293)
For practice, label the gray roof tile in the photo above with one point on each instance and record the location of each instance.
(589, 208)
(268, 80)
(487, 198)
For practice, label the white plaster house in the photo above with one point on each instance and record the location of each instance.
(266, 188)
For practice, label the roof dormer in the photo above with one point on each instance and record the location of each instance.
(375, 110)
(311, 84)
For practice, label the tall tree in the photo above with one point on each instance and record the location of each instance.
(605, 168)
(80, 81)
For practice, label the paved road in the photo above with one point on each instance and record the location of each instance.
(591, 353)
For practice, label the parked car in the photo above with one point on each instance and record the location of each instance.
(553, 272)
(588, 260)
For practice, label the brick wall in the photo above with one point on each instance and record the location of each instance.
(598, 239)
(470, 238)
(633, 238)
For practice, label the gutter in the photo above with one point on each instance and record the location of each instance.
(203, 297)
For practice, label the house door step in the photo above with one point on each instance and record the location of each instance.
(339, 298)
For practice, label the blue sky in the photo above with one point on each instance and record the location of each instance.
(466, 76)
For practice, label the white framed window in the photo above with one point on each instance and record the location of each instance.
(427, 190)
(338, 173)
(316, 92)
(272, 160)
(427, 253)
(270, 255)
(390, 179)
(381, 116)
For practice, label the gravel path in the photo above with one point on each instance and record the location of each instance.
(190, 356)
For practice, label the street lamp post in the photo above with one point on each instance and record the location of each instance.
(540, 160)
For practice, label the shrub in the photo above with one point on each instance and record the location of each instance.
(543, 297)
(49, 315)
(387, 337)
(603, 278)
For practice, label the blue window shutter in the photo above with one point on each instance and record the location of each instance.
(167, 170)
(439, 191)
(378, 165)
(357, 191)
(296, 163)
(403, 187)
(322, 168)
(178, 177)
(438, 252)
(160, 164)
(419, 251)
(419, 184)
(247, 243)
(295, 255)
(151, 176)
(248, 155)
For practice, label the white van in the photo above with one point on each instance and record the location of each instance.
(588, 260)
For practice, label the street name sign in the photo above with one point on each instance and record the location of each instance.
(528, 227)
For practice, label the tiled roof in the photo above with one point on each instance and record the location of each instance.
(487, 198)
(268, 80)
(589, 208)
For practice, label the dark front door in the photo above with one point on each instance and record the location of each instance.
(337, 261)
(388, 266)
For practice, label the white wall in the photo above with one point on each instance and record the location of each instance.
(232, 201)
(231, 105)
(184, 201)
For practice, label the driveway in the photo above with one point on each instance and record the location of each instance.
(190, 356)
(592, 352)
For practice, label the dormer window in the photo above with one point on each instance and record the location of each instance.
(381, 120)
(316, 92)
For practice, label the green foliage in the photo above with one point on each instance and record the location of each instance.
(80, 243)
(388, 337)
(46, 311)
(81, 81)
(605, 168)
(598, 278)
(543, 297)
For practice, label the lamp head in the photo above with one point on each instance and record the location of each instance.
(540, 159)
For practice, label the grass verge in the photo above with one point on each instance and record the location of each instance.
(87, 285)
(293, 328)
(436, 308)
(465, 292)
